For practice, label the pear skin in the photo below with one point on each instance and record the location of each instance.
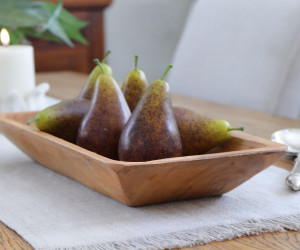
(102, 125)
(62, 119)
(200, 134)
(134, 86)
(151, 132)
(88, 89)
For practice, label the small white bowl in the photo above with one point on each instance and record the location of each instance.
(290, 137)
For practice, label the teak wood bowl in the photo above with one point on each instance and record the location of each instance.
(142, 183)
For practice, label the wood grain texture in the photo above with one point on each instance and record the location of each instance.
(50, 56)
(9, 239)
(149, 182)
(274, 241)
(255, 122)
(66, 85)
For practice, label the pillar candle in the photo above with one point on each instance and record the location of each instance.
(17, 70)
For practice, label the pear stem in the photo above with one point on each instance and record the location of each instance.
(105, 56)
(136, 61)
(167, 70)
(99, 64)
(32, 120)
(239, 128)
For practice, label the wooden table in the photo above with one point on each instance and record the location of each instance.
(50, 56)
(66, 85)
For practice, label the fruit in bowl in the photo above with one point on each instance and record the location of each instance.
(151, 132)
(234, 158)
(108, 113)
(99, 119)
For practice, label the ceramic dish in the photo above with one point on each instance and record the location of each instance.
(290, 137)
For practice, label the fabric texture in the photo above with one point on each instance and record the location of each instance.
(242, 53)
(36, 100)
(51, 211)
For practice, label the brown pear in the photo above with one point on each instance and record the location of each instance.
(151, 132)
(198, 133)
(134, 86)
(102, 125)
(88, 89)
(62, 119)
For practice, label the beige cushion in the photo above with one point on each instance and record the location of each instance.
(239, 52)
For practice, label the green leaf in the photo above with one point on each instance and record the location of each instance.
(17, 3)
(41, 14)
(53, 17)
(69, 23)
(58, 31)
(41, 19)
(15, 18)
(22, 13)
(45, 35)
(65, 16)
(48, 36)
(74, 33)
(16, 36)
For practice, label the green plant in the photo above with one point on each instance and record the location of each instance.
(40, 19)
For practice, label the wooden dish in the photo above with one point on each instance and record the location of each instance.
(142, 183)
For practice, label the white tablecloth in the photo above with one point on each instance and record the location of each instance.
(52, 211)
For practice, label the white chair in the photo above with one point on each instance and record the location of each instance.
(242, 53)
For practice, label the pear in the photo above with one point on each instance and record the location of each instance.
(151, 132)
(62, 119)
(102, 125)
(134, 86)
(88, 89)
(200, 134)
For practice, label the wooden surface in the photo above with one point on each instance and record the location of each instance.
(67, 85)
(150, 182)
(50, 56)
(77, 4)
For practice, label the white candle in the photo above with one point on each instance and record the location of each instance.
(17, 70)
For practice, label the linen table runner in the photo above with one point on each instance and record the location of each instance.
(51, 211)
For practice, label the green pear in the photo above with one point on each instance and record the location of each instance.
(134, 86)
(151, 132)
(102, 125)
(88, 89)
(200, 134)
(62, 119)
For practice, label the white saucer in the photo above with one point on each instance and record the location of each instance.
(289, 137)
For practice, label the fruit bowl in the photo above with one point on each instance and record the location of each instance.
(144, 183)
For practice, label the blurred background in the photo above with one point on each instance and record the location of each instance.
(149, 28)
(236, 52)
